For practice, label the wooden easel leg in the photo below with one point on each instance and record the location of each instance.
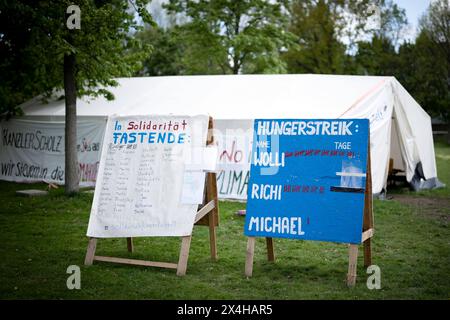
(250, 255)
(352, 263)
(367, 253)
(270, 251)
(212, 236)
(90, 253)
(130, 245)
(184, 255)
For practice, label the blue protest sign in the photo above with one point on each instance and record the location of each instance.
(307, 179)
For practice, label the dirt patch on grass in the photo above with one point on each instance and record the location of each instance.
(434, 208)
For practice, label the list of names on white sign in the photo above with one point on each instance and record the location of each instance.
(143, 179)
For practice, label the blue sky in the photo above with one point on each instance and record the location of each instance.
(414, 10)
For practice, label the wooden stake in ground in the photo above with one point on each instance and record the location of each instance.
(368, 230)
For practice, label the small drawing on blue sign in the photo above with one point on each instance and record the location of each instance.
(307, 179)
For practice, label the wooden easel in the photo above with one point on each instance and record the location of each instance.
(366, 236)
(367, 232)
(207, 215)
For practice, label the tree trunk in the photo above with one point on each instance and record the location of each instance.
(71, 156)
(236, 65)
(448, 132)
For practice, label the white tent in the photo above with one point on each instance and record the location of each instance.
(400, 128)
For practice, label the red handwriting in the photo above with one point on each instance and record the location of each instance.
(317, 152)
(303, 188)
(234, 155)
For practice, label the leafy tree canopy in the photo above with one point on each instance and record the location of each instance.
(34, 39)
(225, 36)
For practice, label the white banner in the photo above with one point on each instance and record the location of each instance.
(143, 187)
(33, 151)
(234, 141)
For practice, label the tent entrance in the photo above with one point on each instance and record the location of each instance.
(398, 163)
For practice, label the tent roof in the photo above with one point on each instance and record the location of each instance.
(225, 96)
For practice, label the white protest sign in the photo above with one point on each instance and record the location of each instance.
(33, 151)
(141, 180)
(193, 187)
(210, 158)
(234, 140)
(203, 159)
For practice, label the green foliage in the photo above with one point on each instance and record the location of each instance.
(422, 67)
(392, 21)
(21, 66)
(220, 37)
(433, 60)
(321, 26)
(167, 54)
(316, 26)
(223, 36)
(377, 57)
(34, 39)
(424, 72)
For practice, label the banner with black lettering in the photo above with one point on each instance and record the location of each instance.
(33, 151)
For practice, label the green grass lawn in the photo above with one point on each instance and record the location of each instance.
(42, 236)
